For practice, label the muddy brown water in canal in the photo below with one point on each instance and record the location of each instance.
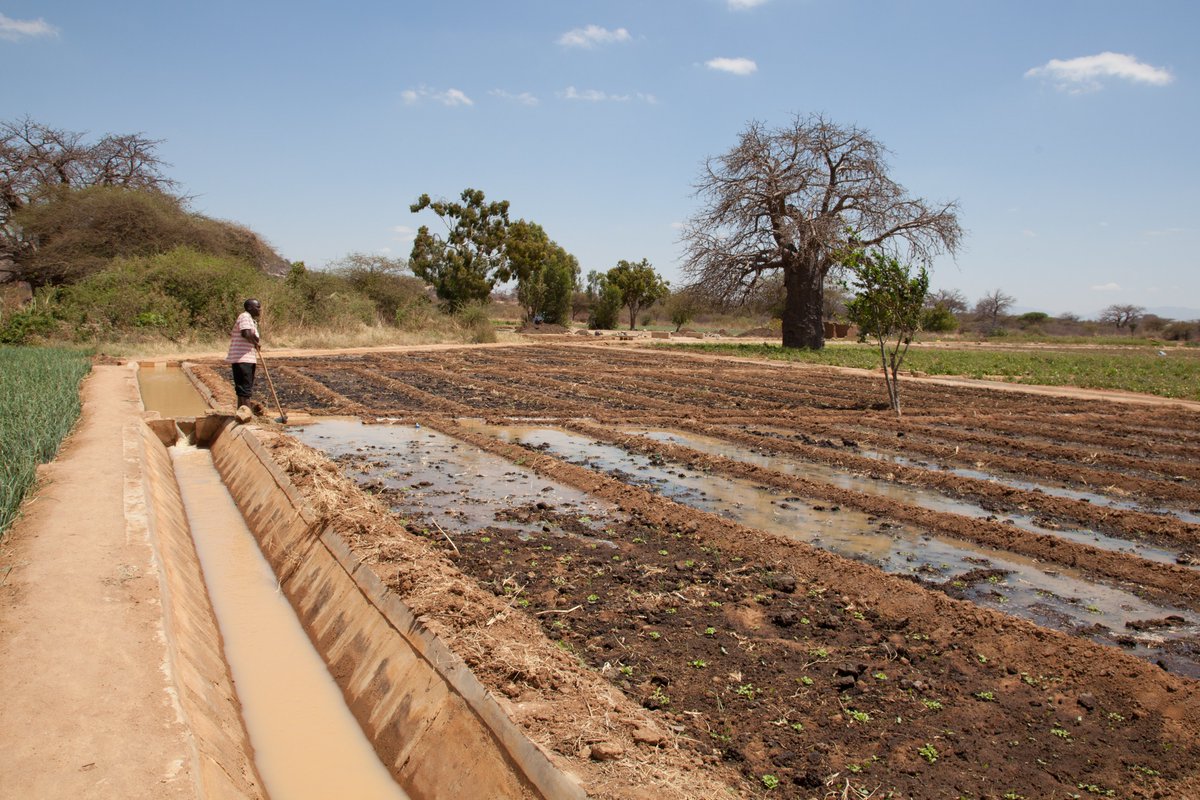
(810, 670)
(306, 742)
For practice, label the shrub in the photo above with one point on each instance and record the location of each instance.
(475, 325)
(310, 298)
(606, 307)
(32, 322)
(77, 232)
(939, 319)
(171, 294)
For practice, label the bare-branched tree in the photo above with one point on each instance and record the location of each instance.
(36, 160)
(1123, 316)
(796, 200)
(952, 300)
(992, 305)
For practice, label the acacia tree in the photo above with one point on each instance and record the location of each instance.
(1123, 316)
(796, 200)
(638, 284)
(38, 163)
(461, 267)
(887, 307)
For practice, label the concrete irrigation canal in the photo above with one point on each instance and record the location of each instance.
(564, 571)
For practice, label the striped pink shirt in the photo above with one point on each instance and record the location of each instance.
(241, 351)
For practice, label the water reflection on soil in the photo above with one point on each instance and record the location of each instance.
(463, 487)
(910, 495)
(1031, 486)
(438, 478)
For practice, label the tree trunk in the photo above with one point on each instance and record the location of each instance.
(802, 323)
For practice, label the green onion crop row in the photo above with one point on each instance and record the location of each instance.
(39, 402)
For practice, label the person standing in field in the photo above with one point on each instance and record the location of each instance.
(243, 354)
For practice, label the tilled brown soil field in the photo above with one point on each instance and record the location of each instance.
(888, 672)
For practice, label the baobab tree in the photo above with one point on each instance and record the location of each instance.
(797, 200)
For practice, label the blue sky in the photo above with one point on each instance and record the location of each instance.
(1067, 130)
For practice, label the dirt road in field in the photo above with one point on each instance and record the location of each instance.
(786, 662)
(87, 709)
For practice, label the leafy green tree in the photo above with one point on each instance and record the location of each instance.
(638, 284)
(604, 299)
(546, 274)
(887, 307)
(462, 266)
(683, 307)
(1031, 319)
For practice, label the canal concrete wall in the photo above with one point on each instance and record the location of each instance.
(221, 752)
(431, 721)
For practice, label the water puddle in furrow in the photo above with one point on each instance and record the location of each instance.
(168, 391)
(1031, 486)
(306, 742)
(455, 482)
(431, 474)
(911, 495)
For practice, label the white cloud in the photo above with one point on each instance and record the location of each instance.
(593, 35)
(735, 66)
(383, 251)
(14, 29)
(1107, 287)
(742, 5)
(404, 233)
(1087, 73)
(1165, 232)
(597, 96)
(678, 226)
(1029, 234)
(450, 97)
(524, 98)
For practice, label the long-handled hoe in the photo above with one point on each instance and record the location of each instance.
(282, 416)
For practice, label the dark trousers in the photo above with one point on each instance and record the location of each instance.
(243, 382)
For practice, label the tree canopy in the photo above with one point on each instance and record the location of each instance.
(38, 161)
(637, 285)
(796, 200)
(462, 265)
(887, 307)
(546, 274)
(71, 233)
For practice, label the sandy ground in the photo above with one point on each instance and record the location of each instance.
(87, 707)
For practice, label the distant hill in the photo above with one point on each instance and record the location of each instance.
(1175, 312)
